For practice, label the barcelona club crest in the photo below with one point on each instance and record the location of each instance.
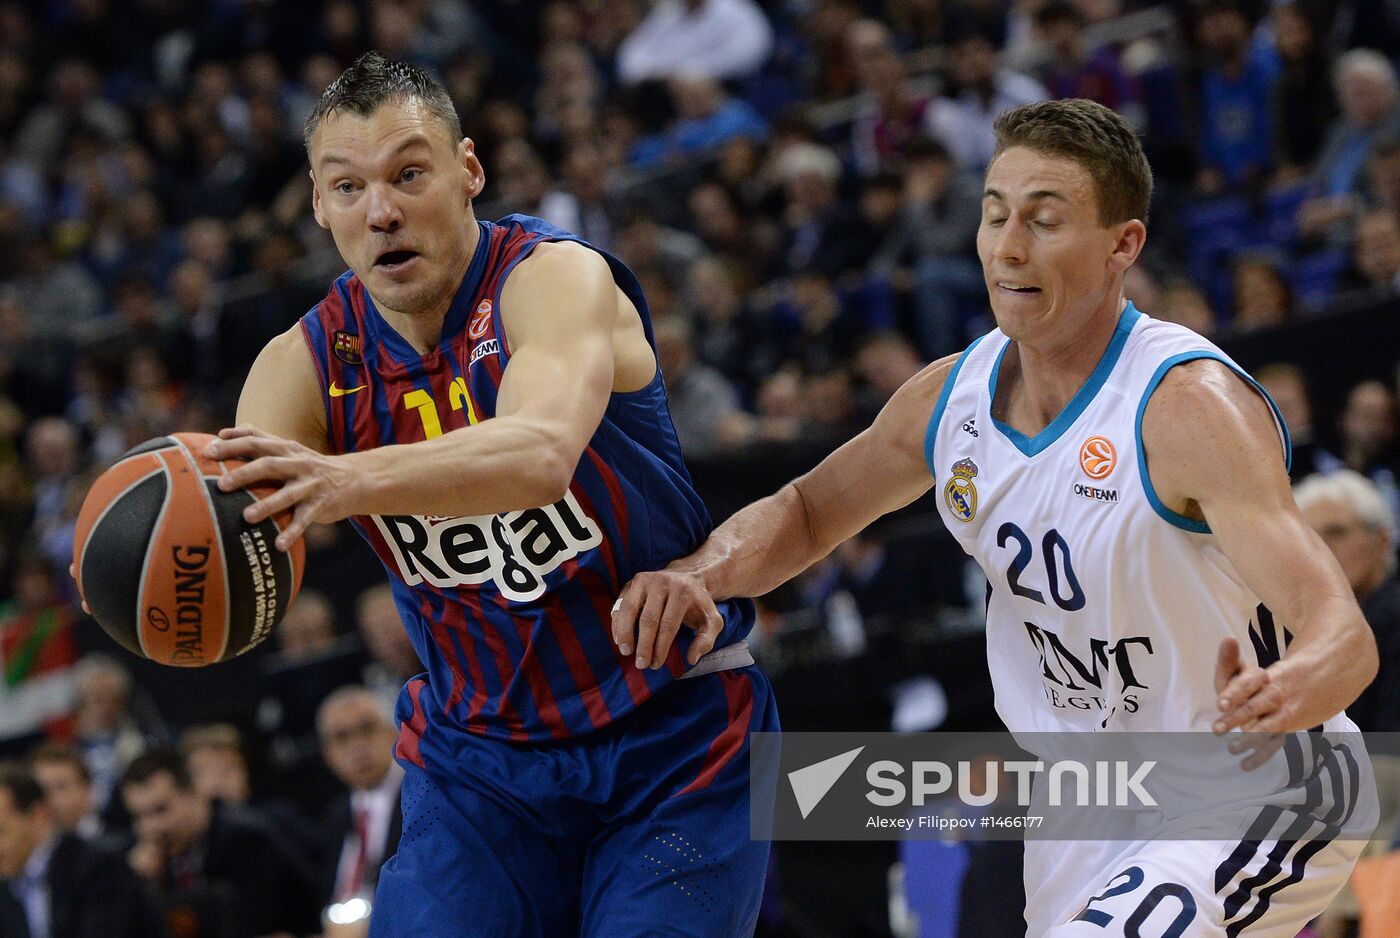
(960, 495)
(347, 348)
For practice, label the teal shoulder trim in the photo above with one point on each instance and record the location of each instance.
(1181, 521)
(931, 434)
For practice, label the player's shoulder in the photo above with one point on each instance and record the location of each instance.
(1205, 413)
(552, 258)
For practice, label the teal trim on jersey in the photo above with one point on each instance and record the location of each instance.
(1181, 521)
(931, 434)
(1032, 446)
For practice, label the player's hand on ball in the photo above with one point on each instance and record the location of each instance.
(313, 484)
(1251, 700)
(654, 606)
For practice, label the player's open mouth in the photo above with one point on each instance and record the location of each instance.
(394, 261)
(1018, 288)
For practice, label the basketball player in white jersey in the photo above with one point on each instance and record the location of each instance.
(1123, 485)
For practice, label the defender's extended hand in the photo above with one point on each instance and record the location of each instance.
(1251, 699)
(313, 484)
(655, 605)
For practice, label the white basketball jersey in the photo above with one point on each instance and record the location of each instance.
(1106, 609)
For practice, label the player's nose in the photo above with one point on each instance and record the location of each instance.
(383, 212)
(1009, 242)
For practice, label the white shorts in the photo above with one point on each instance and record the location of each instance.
(1284, 867)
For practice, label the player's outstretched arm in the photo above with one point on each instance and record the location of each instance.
(776, 538)
(560, 309)
(1210, 440)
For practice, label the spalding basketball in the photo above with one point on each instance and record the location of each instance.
(167, 564)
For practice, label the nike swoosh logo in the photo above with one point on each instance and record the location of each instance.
(341, 392)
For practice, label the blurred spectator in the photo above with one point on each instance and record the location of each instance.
(978, 90)
(268, 303)
(644, 243)
(696, 38)
(731, 335)
(740, 242)
(1376, 254)
(60, 886)
(583, 205)
(1303, 101)
(1075, 72)
(210, 863)
(885, 362)
(1368, 440)
(392, 657)
(1185, 303)
(1368, 93)
(1288, 386)
(1263, 298)
(935, 238)
(213, 755)
(308, 627)
(1349, 514)
(38, 649)
(60, 770)
(704, 405)
(706, 119)
(73, 104)
(55, 290)
(1236, 102)
(818, 236)
(890, 115)
(107, 732)
(357, 742)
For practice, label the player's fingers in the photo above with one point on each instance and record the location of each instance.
(1227, 662)
(1261, 702)
(262, 469)
(243, 429)
(708, 634)
(677, 609)
(302, 516)
(1266, 746)
(647, 622)
(276, 502)
(246, 446)
(1243, 686)
(624, 616)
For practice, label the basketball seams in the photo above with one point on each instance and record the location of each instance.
(168, 496)
(107, 510)
(218, 541)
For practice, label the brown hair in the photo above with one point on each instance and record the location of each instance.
(61, 754)
(1092, 136)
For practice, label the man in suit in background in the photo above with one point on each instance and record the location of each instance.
(219, 870)
(56, 885)
(357, 742)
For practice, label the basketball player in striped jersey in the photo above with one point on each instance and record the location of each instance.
(482, 400)
(1124, 486)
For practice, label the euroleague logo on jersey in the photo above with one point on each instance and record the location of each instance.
(1098, 458)
(481, 320)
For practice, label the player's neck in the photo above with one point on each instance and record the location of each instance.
(1044, 377)
(423, 330)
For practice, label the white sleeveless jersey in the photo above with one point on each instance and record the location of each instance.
(1106, 609)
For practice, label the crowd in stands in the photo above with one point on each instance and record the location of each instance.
(797, 184)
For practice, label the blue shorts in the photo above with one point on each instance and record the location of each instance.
(639, 829)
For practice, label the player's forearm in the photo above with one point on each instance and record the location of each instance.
(1332, 657)
(758, 549)
(501, 465)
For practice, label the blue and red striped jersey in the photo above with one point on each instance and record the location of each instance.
(511, 613)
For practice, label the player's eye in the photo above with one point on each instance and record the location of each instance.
(344, 187)
(409, 175)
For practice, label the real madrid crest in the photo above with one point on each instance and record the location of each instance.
(960, 495)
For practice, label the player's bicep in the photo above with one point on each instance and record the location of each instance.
(882, 469)
(282, 394)
(559, 310)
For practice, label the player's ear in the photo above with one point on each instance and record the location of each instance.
(316, 200)
(473, 176)
(1130, 236)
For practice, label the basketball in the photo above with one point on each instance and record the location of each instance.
(167, 564)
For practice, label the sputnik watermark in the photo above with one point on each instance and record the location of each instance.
(1116, 784)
